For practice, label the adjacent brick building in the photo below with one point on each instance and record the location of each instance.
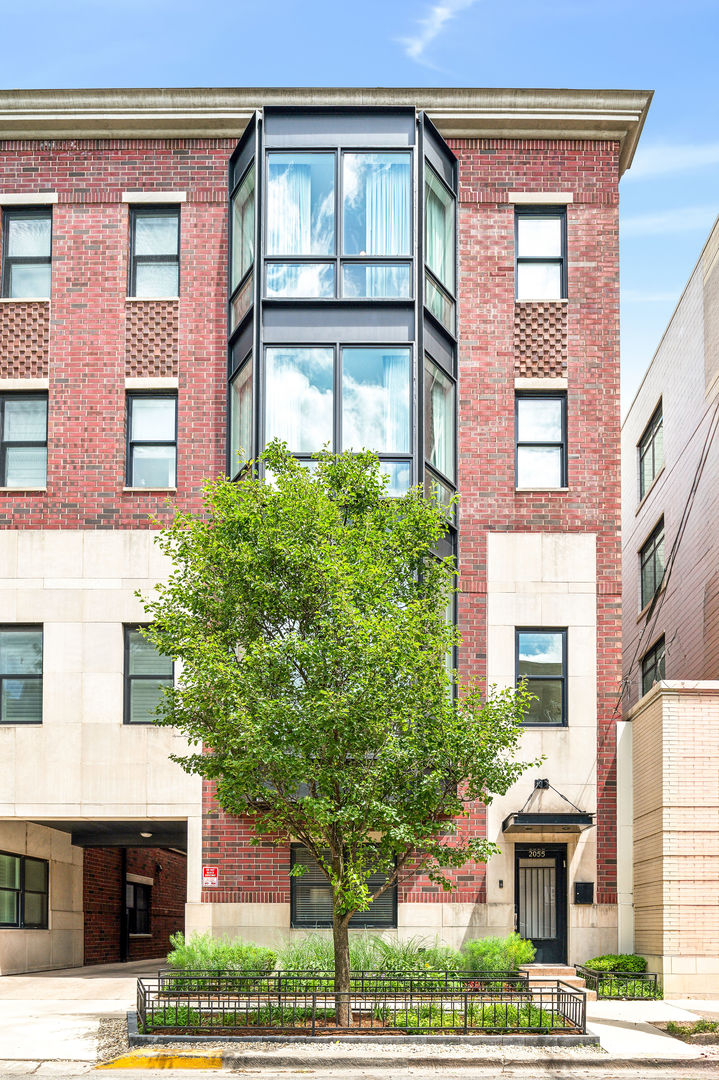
(503, 328)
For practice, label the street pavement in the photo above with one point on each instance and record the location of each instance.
(49, 1026)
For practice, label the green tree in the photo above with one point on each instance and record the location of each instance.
(309, 615)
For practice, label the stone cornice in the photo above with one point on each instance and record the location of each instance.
(224, 112)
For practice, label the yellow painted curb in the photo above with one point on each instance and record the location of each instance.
(164, 1061)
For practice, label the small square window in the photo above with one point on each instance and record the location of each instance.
(152, 441)
(541, 253)
(155, 251)
(541, 441)
(653, 665)
(147, 674)
(651, 562)
(541, 664)
(23, 440)
(27, 243)
(651, 451)
(20, 674)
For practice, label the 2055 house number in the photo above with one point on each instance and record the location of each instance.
(536, 853)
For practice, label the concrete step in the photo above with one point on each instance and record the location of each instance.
(554, 971)
(546, 974)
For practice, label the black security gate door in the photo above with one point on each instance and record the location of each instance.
(540, 891)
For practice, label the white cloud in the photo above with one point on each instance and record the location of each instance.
(663, 158)
(430, 26)
(680, 220)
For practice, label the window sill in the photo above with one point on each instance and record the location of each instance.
(24, 299)
(151, 299)
(22, 490)
(645, 609)
(132, 936)
(544, 727)
(148, 491)
(525, 489)
(649, 490)
(542, 300)
(20, 723)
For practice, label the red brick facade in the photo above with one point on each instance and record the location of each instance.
(104, 896)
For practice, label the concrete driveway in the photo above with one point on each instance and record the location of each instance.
(53, 1015)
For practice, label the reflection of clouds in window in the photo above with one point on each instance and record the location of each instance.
(300, 397)
(539, 420)
(399, 476)
(375, 399)
(377, 207)
(300, 204)
(540, 653)
(300, 279)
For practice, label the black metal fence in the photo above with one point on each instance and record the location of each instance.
(621, 984)
(276, 1006)
(278, 982)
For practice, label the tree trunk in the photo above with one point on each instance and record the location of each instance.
(340, 935)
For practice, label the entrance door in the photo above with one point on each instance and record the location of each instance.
(540, 892)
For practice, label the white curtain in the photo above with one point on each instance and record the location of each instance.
(289, 224)
(388, 216)
(396, 382)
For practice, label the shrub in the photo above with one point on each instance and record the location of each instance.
(497, 954)
(315, 952)
(221, 955)
(413, 955)
(617, 962)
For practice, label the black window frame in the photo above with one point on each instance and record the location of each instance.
(24, 628)
(358, 920)
(152, 210)
(449, 295)
(647, 444)
(14, 395)
(131, 443)
(564, 678)
(21, 923)
(8, 261)
(136, 926)
(129, 628)
(542, 395)
(648, 551)
(653, 665)
(561, 260)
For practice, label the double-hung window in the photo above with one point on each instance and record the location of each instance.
(151, 440)
(139, 901)
(653, 665)
(651, 563)
(154, 251)
(540, 253)
(20, 674)
(23, 440)
(541, 665)
(651, 451)
(311, 897)
(147, 674)
(23, 892)
(27, 241)
(541, 440)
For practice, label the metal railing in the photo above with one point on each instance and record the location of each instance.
(179, 981)
(278, 1007)
(621, 984)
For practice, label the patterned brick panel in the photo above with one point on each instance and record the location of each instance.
(540, 339)
(151, 337)
(24, 339)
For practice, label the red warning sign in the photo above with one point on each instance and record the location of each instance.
(210, 876)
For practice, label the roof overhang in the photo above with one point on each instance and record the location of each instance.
(224, 112)
(126, 833)
(539, 823)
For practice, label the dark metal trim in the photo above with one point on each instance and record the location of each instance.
(127, 629)
(549, 820)
(563, 630)
(151, 210)
(18, 627)
(21, 923)
(23, 260)
(131, 443)
(559, 852)
(542, 395)
(358, 925)
(561, 260)
(41, 395)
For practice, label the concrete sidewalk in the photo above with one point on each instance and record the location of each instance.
(625, 1028)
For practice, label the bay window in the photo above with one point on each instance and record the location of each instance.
(241, 416)
(243, 246)
(439, 234)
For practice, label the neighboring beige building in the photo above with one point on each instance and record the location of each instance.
(670, 500)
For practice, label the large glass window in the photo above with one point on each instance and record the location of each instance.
(541, 440)
(377, 204)
(541, 272)
(653, 665)
(299, 394)
(439, 432)
(152, 441)
(23, 892)
(241, 417)
(300, 204)
(651, 451)
(243, 228)
(23, 440)
(376, 399)
(311, 897)
(27, 239)
(155, 251)
(440, 256)
(310, 280)
(651, 562)
(20, 675)
(542, 667)
(375, 280)
(147, 674)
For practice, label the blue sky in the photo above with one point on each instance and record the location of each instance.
(669, 199)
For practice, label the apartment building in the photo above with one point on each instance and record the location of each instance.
(189, 272)
(671, 640)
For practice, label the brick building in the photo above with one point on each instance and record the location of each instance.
(453, 253)
(671, 640)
